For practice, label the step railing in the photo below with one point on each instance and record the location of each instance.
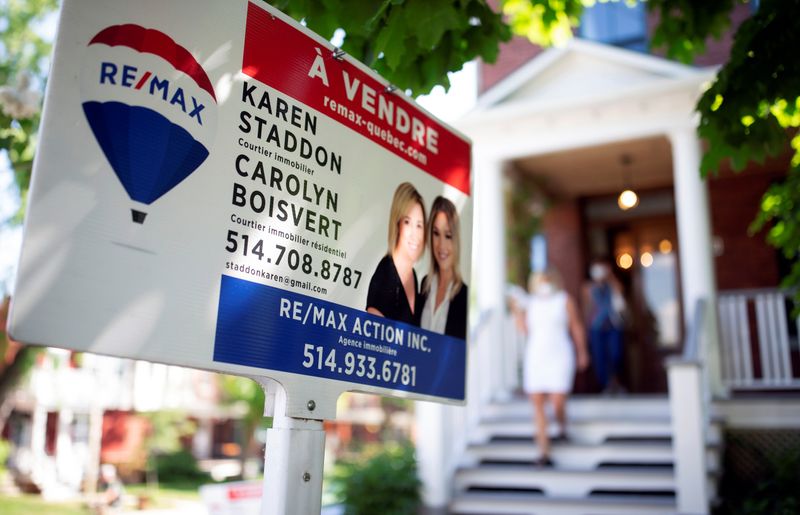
(759, 338)
(479, 377)
(457, 425)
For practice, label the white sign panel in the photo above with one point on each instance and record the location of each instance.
(237, 498)
(215, 188)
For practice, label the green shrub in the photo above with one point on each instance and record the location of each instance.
(384, 482)
(778, 494)
(177, 467)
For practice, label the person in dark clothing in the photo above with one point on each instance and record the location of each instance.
(604, 304)
(393, 289)
(444, 294)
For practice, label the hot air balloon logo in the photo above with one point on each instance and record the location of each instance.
(151, 107)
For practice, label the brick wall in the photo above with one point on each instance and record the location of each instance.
(512, 55)
(746, 261)
(717, 51)
(564, 232)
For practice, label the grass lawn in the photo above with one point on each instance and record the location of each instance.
(162, 497)
(29, 504)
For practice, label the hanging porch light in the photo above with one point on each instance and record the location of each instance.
(628, 199)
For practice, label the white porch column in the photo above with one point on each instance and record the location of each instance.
(202, 440)
(698, 278)
(38, 441)
(489, 268)
(67, 467)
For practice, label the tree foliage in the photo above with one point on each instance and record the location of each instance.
(753, 111)
(248, 394)
(411, 43)
(22, 52)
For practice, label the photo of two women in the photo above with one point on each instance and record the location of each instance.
(439, 302)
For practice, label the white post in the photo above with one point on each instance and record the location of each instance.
(293, 463)
(65, 456)
(490, 266)
(38, 440)
(202, 440)
(95, 443)
(688, 436)
(434, 437)
(698, 280)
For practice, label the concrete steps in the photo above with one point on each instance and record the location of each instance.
(588, 430)
(618, 459)
(561, 482)
(580, 456)
(486, 503)
(589, 406)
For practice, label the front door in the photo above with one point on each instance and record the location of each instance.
(644, 251)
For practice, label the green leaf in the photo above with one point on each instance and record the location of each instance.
(391, 39)
(431, 20)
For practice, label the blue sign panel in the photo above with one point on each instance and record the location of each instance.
(265, 327)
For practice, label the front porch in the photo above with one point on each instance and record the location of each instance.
(636, 453)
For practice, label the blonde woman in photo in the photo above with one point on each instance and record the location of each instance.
(393, 289)
(444, 294)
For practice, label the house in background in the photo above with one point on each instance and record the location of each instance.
(75, 411)
(712, 361)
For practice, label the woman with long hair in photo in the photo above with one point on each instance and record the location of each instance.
(548, 319)
(444, 294)
(393, 289)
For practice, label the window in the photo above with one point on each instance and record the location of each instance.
(617, 24)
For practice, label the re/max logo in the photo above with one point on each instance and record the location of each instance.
(128, 76)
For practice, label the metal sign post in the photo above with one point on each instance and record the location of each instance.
(293, 462)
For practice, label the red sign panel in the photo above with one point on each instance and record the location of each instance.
(348, 94)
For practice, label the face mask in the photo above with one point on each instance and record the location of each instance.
(598, 272)
(545, 289)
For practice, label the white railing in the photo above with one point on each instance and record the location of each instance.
(758, 338)
(462, 423)
(513, 352)
(479, 392)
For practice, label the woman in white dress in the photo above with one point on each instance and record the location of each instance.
(548, 319)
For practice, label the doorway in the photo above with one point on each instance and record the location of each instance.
(642, 246)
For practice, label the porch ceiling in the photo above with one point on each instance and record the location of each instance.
(598, 170)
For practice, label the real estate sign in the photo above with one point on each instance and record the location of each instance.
(216, 187)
